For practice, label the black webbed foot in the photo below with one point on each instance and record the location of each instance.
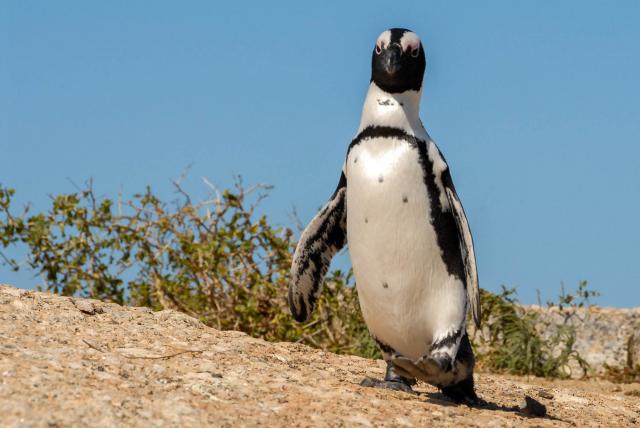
(395, 385)
(453, 378)
(392, 380)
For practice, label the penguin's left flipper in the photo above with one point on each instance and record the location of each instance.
(466, 247)
(320, 241)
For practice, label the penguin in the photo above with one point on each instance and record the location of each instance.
(408, 237)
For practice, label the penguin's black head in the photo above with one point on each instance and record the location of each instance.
(398, 61)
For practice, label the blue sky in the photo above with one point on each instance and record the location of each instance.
(536, 106)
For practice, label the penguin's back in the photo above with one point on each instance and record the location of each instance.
(408, 297)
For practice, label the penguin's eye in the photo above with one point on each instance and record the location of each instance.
(378, 49)
(415, 51)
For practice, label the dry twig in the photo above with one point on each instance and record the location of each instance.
(92, 346)
(163, 357)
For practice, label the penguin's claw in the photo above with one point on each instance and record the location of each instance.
(396, 385)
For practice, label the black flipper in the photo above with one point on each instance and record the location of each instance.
(320, 241)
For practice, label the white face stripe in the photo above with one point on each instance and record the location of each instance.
(409, 41)
(384, 39)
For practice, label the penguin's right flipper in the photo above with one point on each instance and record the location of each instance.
(320, 241)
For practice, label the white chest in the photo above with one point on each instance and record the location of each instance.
(406, 294)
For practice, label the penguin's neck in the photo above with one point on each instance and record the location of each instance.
(400, 111)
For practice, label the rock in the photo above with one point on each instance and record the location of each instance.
(130, 367)
(120, 316)
(545, 394)
(85, 306)
(532, 407)
(211, 368)
(12, 291)
(437, 415)
(604, 336)
(633, 350)
(18, 305)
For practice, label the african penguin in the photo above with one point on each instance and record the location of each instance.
(409, 241)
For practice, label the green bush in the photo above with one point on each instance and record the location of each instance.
(221, 262)
(519, 341)
(216, 260)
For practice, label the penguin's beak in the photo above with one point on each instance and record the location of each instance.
(391, 60)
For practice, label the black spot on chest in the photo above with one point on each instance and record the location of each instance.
(385, 102)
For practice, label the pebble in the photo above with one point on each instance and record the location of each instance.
(437, 415)
(532, 407)
(85, 306)
(545, 394)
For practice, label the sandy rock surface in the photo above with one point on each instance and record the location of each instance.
(72, 362)
(603, 335)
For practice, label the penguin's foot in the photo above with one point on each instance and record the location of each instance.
(439, 360)
(426, 368)
(396, 385)
(462, 392)
(392, 380)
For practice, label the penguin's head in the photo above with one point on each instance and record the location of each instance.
(398, 61)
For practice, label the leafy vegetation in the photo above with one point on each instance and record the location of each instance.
(221, 262)
(630, 373)
(623, 375)
(216, 260)
(523, 342)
